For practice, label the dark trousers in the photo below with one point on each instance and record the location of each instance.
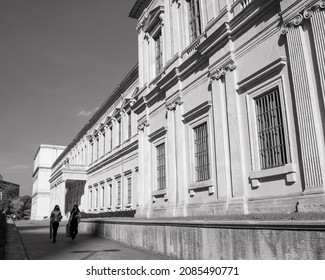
(73, 229)
(55, 226)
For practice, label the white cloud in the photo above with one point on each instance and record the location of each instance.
(84, 113)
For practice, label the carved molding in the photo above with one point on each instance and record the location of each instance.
(143, 125)
(222, 71)
(306, 14)
(177, 2)
(173, 105)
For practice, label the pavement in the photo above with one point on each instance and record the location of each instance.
(30, 240)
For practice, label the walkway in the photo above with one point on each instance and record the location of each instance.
(38, 246)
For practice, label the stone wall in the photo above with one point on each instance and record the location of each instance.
(218, 240)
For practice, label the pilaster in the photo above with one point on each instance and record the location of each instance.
(311, 163)
(172, 171)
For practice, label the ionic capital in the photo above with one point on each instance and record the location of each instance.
(306, 14)
(173, 105)
(222, 71)
(143, 125)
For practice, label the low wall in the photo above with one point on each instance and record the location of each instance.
(217, 240)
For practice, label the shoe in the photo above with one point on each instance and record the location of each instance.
(54, 240)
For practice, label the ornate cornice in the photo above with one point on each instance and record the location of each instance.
(306, 14)
(222, 71)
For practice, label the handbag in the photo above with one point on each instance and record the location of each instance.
(50, 229)
(67, 231)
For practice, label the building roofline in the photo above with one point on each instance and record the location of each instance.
(138, 8)
(99, 112)
(48, 146)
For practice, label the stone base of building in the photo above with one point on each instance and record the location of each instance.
(312, 201)
(221, 240)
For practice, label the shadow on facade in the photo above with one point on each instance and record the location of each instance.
(74, 192)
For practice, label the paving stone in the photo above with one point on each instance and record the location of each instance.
(38, 245)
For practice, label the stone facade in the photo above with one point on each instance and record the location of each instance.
(223, 114)
(43, 160)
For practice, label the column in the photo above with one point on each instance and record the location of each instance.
(317, 23)
(306, 123)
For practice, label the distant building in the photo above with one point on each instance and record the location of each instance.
(43, 160)
(223, 114)
(4, 185)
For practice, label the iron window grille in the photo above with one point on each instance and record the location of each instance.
(202, 168)
(104, 143)
(129, 191)
(119, 132)
(97, 148)
(91, 199)
(195, 19)
(270, 130)
(119, 194)
(96, 198)
(161, 167)
(103, 196)
(110, 194)
(158, 52)
(129, 124)
(111, 138)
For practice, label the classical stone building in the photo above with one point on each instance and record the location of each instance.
(224, 113)
(43, 160)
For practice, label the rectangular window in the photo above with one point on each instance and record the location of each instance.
(119, 132)
(161, 167)
(90, 199)
(129, 191)
(104, 143)
(158, 52)
(111, 138)
(129, 125)
(201, 152)
(195, 19)
(92, 152)
(119, 193)
(96, 198)
(97, 148)
(110, 195)
(103, 196)
(270, 130)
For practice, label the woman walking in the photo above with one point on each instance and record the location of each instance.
(55, 220)
(74, 220)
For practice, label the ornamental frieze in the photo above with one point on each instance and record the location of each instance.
(304, 15)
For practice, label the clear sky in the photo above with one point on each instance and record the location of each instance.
(59, 60)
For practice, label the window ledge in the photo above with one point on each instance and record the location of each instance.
(201, 185)
(128, 205)
(289, 170)
(159, 193)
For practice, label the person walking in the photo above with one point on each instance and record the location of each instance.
(55, 220)
(74, 220)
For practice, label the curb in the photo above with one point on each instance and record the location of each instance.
(14, 246)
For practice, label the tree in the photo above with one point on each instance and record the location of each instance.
(21, 206)
(9, 192)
